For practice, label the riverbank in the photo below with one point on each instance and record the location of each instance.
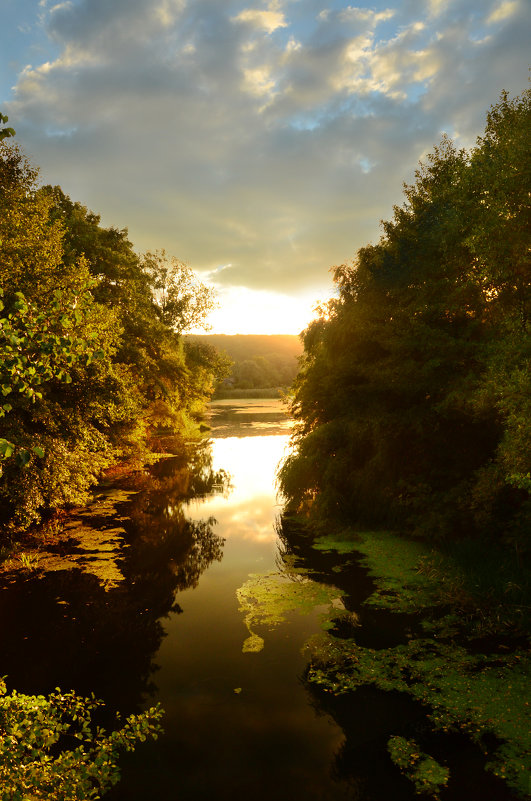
(90, 537)
(417, 624)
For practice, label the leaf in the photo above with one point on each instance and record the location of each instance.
(6, 448)
(23, 457)
(38, 451)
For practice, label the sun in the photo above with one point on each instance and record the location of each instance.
(247, 311)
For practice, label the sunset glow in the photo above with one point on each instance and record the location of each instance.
(268, 138)
(247, 311)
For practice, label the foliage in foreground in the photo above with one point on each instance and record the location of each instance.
(50, 747)
(413, 400)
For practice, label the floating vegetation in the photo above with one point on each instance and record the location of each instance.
(346, 543)
(393, 562)
(471, 693)
(266, 599)
(253, 644)
(422, 769)
(477, 694)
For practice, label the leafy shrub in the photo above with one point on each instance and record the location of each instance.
(50, 748)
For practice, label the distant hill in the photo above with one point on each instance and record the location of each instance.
(245, 346)
(260, 361)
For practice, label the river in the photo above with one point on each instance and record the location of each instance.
(237, 723)
(141, 605)
(146, 599)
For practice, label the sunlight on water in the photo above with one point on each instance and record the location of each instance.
(250, 510)
(206, 681)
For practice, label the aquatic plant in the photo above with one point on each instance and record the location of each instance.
(422, 769)
(29, 560)
(267, 599)
(395, 561)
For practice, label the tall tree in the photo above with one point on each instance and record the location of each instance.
(412, 387)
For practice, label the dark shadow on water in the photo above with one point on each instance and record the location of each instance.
(369, 716)
(64, 629)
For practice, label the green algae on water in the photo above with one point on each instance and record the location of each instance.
(335, 542)
(394, 562)
(474, 694)
(427, 775)
(266, 599)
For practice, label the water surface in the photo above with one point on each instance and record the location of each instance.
(237, 724)
(140, 605)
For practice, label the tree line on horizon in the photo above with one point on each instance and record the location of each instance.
(413, 402)
(258, 361)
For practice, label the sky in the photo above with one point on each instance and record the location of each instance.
(261, 143)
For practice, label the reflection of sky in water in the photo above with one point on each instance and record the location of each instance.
(237, 724)
(250, 510)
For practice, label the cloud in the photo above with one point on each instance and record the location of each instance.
(268, 20)
(503, 11)
(272, 137)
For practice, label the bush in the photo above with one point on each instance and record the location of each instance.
(50, 748)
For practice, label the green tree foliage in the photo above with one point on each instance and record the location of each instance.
(182, 301)
(5, 132)
(413, 402)
(120, 283)
(38, 346)
(90, 365)
(30, 243)
(259, 361)
(51, 749)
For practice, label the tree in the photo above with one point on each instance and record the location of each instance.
(5, 132)
(31, 252)
(91, 365)
(182, 299)
(38, 346)
(499, 179)
(412, 400)
(56, 350)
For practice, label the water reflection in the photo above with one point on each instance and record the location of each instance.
(68, 628)
(237, 724)
(171, 630)
(167, 547)
(249, 418)
(252, 510)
